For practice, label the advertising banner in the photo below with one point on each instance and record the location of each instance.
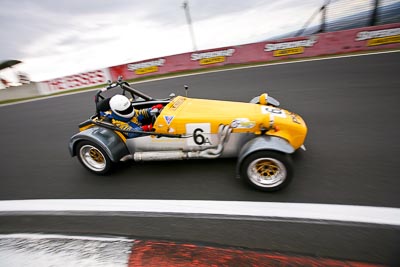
(81, 80)
(361, 39)
(331, 43)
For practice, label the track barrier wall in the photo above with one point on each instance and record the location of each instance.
(332, 43)
(355, 40)
(64, 250)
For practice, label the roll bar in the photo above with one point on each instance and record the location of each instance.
(125, 86)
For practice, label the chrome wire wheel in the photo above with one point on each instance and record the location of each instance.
(267, 172)
(93, 158)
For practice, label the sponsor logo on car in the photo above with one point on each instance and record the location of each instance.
(242, 123)
(290, 48)
(295, 117)
(379, 37)
(168, 119)
(176, 104)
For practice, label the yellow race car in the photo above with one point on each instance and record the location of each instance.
(259, 134)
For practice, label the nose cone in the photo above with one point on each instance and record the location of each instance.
(289, 126)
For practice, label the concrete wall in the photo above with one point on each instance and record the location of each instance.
(15, 92)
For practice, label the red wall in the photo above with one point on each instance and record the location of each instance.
(340, 42)
(321, 44)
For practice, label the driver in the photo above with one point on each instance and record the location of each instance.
(125, 117)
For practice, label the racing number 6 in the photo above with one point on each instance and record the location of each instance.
(199, 134)
(198, 138)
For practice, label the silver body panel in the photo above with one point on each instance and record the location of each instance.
(231, 147)
(149, 148)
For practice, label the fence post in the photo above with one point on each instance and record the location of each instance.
(374, 16)
(323, 18)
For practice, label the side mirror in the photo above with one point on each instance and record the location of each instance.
(265, 99)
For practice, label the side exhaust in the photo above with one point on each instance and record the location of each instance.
(224, 132)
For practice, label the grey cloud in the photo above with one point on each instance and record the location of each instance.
(26, 22)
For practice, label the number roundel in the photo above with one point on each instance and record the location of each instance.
(200, 134)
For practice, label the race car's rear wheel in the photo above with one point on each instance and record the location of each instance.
(267, 170)
(93, 157)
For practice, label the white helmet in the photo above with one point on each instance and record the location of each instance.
(121, 105)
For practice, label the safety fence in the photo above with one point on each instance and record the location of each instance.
(338, 15)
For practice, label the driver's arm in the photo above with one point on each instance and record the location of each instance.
(146, 113)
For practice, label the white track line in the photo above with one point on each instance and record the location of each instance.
(70, 237)
(295, 211)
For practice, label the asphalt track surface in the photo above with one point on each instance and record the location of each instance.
(351, 106)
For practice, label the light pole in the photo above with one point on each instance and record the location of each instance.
(189, 21)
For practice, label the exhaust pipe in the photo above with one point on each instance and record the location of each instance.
(156, 155)
(209, 152)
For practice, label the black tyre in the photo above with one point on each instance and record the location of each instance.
(267, 170)
(93, 157)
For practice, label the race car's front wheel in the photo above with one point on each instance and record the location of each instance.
(267, 170)
(93, 157)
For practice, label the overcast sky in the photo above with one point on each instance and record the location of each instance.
(58, 38)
